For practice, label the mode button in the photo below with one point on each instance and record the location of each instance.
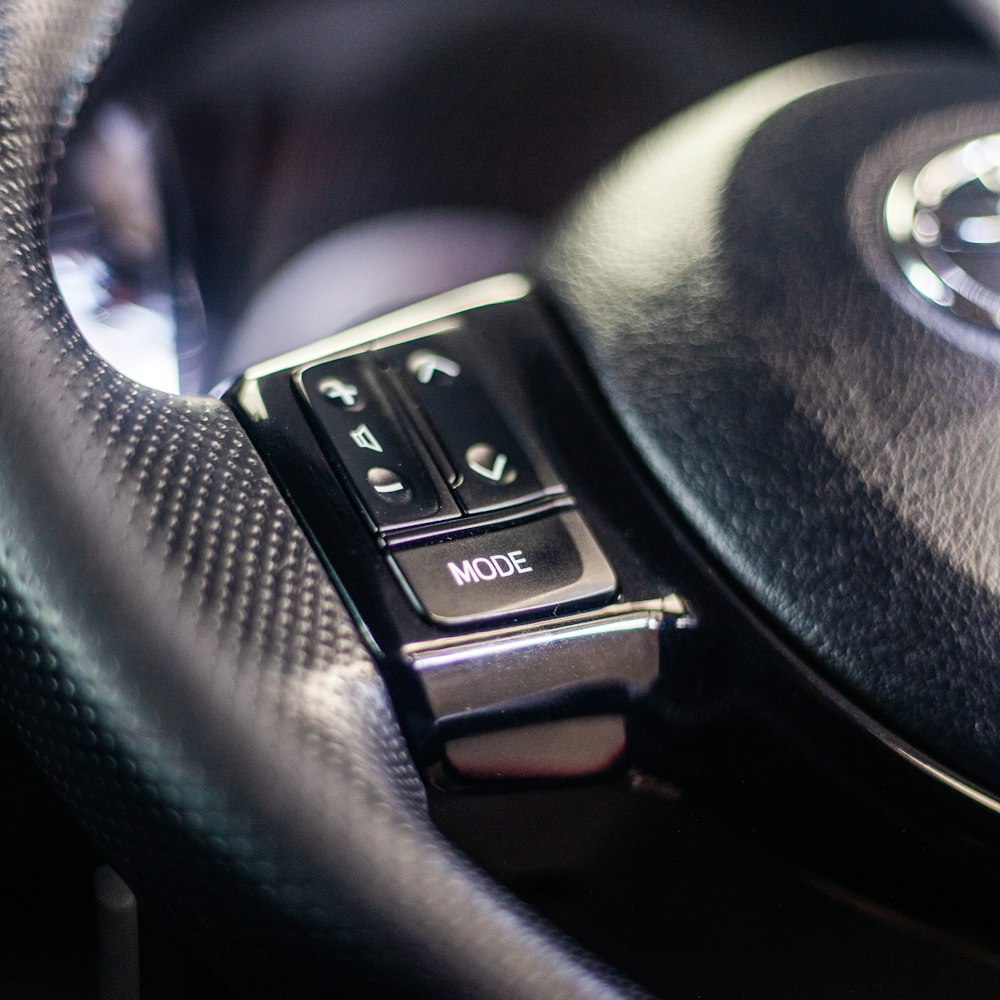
(554, 561)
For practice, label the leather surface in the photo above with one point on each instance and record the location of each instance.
(179, 665)
(839, 456)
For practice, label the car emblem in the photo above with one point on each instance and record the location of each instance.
(944, 224)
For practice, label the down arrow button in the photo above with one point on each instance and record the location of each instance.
(493, 465)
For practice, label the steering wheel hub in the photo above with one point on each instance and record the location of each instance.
(944, 223)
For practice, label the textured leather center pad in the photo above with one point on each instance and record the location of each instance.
(838, 455)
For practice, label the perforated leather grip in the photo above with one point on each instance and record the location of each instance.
(178, 663)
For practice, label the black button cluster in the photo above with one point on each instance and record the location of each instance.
(419, 434)
(448, 386)
(383, 459)
(425, 434)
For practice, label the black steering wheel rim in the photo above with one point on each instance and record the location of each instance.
(179, 664)
(178, 661)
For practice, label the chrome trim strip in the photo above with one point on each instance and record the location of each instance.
(488, 292)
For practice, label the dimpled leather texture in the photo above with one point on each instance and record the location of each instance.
(179, 665)
(839, 456)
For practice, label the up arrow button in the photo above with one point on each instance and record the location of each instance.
(424, 365)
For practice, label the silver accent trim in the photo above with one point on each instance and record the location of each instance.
(953, 782)
(413, 319)
(617, 645)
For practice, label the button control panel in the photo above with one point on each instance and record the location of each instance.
(497, 550)
(426, 434)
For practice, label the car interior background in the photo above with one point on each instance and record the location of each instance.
(246, 178)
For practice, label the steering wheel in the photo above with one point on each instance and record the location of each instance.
(180, 665)
(206, 697)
